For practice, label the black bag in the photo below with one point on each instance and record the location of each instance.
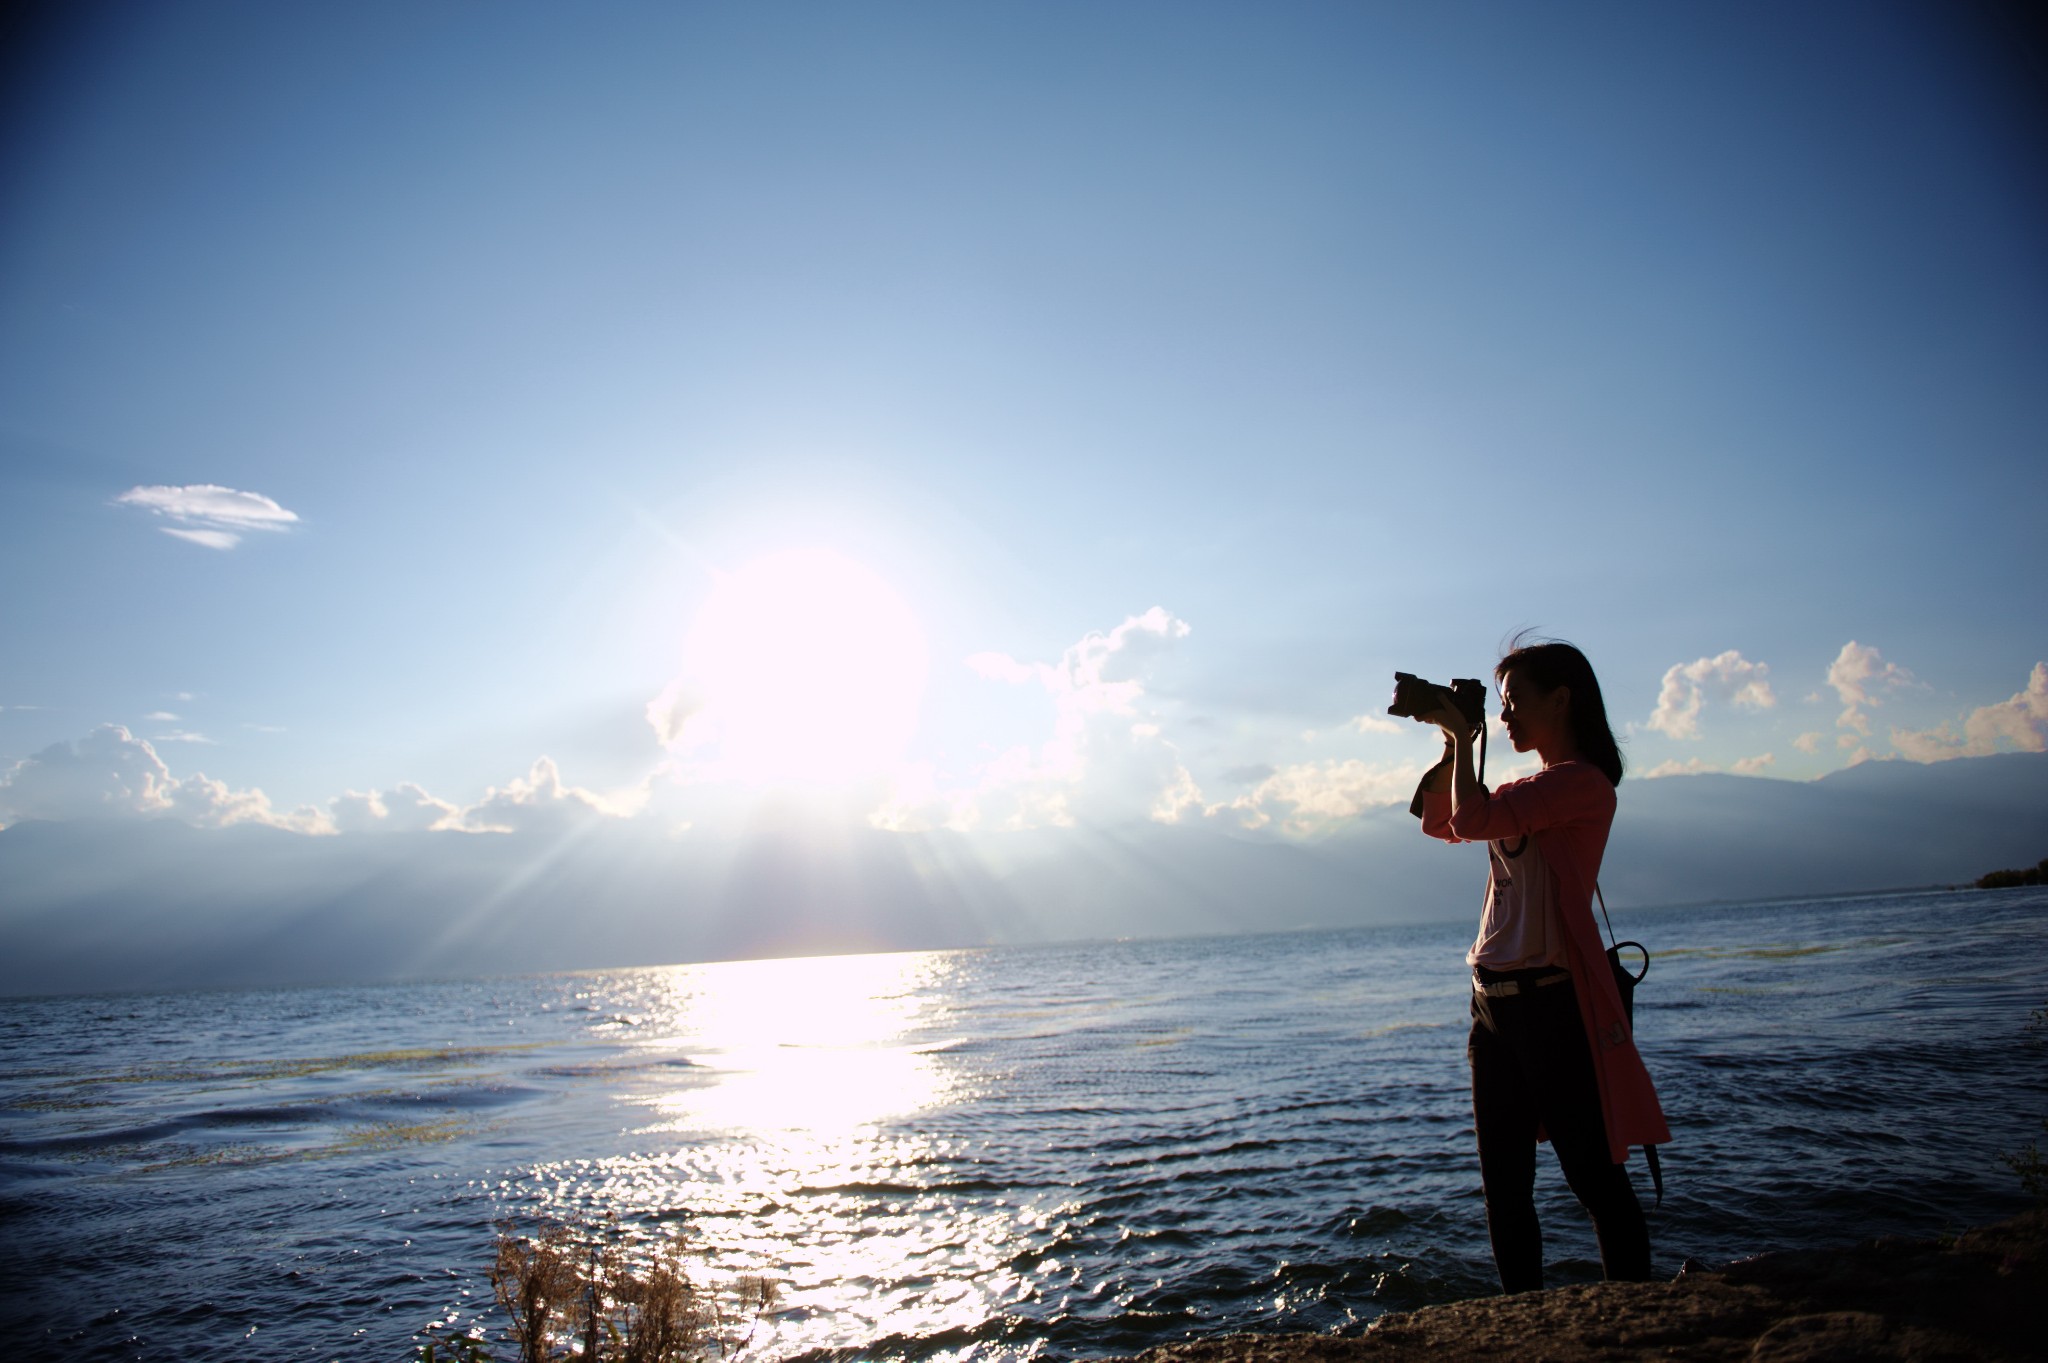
(1623, 980)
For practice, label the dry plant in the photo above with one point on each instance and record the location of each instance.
(560, 1285)
(535, 1279)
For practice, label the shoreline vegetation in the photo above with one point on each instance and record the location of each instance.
(586, 1292)
(2007, 880)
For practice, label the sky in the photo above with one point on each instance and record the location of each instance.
(1002, 419)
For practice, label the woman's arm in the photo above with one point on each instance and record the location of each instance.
(1435, 795)
(1466, 791)
(1570, 793)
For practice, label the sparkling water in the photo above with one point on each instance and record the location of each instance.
(1052, 1152)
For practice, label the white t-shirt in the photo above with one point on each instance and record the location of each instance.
(1519, 929)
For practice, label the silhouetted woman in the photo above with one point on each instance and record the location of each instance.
(1551, 1050)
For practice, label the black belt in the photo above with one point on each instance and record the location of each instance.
(1507, 983)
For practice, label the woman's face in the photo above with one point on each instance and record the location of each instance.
(1535, 719)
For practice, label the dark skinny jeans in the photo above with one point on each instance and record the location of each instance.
(1531, 1065)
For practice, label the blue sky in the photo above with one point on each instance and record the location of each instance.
(1177, 371)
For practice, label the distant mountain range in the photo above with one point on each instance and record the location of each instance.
(155, 904)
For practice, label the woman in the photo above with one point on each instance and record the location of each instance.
(1551, 1050)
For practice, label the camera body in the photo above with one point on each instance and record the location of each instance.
(1415, 698)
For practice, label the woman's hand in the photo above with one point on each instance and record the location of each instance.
(1451, 720)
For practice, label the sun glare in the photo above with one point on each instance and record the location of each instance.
(813, 1047)
(803, 668)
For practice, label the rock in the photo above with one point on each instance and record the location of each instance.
(1968, 1300)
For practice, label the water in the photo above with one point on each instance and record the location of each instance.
(1056, 1152)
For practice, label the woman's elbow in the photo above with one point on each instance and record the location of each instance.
(1468, 824)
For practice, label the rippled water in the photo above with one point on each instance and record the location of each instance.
(1053, 1152)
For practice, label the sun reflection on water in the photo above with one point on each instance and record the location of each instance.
(819, 1046)
(790, 1145)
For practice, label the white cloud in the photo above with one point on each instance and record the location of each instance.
(1370, 723)
(2021, 720)
(161, 717)
(1726, 677)
(212, 539)
(208, 514)
(1937, 744)
(110, 773)
(1751, 766)
(1860, 677)
(1809, 742)
(541, 803)
(1312, 797)
(184, 736)
(1692, 766)
(405, 808)
(2020, 723)
(1107, 757)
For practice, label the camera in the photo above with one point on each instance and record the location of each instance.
(1415, 698)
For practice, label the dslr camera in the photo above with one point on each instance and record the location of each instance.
(1415, 698)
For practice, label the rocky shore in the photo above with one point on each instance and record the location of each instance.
(1974, 1299)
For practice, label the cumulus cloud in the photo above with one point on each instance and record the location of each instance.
(1727, 677)
(1313, 797)
(1809, 742)
(540, 803)
(1370, 723)
(1106, 757)
(1861, 678)
(208, 514)
(110, 773)
(405, 808)
(1752, 766)
(1691, 766)
(2019, 723)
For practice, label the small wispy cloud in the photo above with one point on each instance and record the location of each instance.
(161, 717)
(208, 514)
(183, 736)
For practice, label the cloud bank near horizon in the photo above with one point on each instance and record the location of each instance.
(250, 904)
(1110, 753)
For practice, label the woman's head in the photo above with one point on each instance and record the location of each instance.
(1551, 683)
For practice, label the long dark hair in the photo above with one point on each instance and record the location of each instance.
(1550, 663)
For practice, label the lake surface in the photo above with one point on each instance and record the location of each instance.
(1048, 1152)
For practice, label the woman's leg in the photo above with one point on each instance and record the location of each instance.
(1569, 1103)
(1504, 1117)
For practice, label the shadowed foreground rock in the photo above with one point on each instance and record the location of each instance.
(1975, 1300)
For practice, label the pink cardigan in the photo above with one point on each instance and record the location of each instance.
(1568, 809)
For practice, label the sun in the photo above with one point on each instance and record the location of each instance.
(802, 668)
